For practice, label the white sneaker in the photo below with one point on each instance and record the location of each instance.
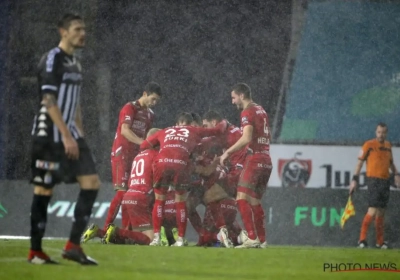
(223, 232)
(243, 236)
(384, 245)
(264, 245)
(249, 243)
(180, 242)
(156, 241)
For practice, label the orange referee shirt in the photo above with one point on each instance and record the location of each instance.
(378, 157)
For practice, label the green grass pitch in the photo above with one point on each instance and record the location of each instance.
(163, 263)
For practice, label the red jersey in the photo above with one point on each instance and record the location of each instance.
(141, 179)
(232, 135)
(212, 145)
(169, 208)
(178, 142)
(256, 116)
(140, 120)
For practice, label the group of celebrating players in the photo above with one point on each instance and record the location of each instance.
(161, 175)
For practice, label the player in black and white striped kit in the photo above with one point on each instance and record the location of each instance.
(59, 151)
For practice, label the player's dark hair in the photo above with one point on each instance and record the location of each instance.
(212, 115)
(197, 119)
(185, 118)
(382, 124)
(65, 20)
(153, 87)
(244, 89)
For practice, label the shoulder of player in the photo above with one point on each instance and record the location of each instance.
(370, 142)
(388, 144)
(132, 105)
(150, 111)
(49, 58)
(232, 128)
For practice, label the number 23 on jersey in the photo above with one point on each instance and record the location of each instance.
(175, 134)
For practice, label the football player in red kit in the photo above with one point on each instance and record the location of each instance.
(137, 202)
(257, 167)
(135, 120)
(172, 168)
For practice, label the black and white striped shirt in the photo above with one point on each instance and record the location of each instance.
(58, 74)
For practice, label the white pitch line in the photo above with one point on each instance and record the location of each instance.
(12, 259)
(13, 237)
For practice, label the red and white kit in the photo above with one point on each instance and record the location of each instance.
(140, 120)
(257, 166)
(137, 202)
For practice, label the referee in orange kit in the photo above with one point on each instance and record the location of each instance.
(378, 155)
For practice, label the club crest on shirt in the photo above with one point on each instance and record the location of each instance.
(69, 62)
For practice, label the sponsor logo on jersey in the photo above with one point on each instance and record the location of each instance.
(47, 165)
(69, 62)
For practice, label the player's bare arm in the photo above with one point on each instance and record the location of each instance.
(393, 169)
(240, 144)
(354, 181)
(151, 141)
(127, 132)
(70, 145)
(78, 119)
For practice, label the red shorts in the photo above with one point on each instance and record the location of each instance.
(138, 207)
(166, 174)
(255, 175)
(169, 220)
(120, 169)
(232, 180)
(220, 213)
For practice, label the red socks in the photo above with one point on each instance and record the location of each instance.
(259, 222)
(181, 218)
(247, 217)
(114, 208)
(157, 215)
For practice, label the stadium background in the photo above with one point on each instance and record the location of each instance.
(325, 71)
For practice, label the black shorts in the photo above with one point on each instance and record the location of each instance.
(50, 165)
(378, 192)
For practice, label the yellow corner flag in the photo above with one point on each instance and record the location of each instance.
(348, 212)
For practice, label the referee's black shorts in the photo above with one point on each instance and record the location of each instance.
(50, 165)
(378, 192)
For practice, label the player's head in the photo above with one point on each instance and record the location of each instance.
(240, 92)
(184, 119)
(197, 121)
(211, 118)
(381, 132)
(152, 131)
(72, 30)
(151, 95)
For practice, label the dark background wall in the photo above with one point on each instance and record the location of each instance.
(196, 50)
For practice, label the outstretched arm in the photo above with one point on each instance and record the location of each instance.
(240, 144)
